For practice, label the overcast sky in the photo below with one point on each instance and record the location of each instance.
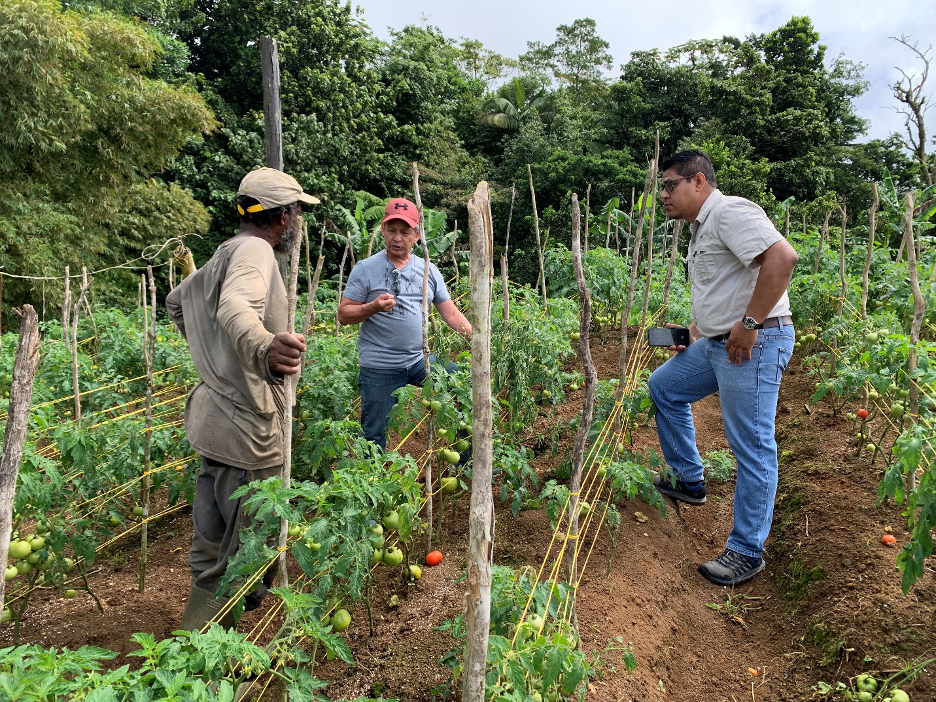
(859, 29)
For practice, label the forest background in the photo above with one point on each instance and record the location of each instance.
(126, 122)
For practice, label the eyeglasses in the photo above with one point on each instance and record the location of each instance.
(395, 285)
(670, 185)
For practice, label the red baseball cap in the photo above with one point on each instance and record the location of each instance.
(401, 208)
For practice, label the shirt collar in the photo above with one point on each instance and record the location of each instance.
(714, 198)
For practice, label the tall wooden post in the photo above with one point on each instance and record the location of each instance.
(919, 308)
(272, 115)
(867, 266)
(481, 518)
(14, 438)
(539, 244)
(149, 355)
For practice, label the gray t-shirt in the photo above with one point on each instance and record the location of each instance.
(393, 339)
(728, 234)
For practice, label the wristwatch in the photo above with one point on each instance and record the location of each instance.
(751, 323)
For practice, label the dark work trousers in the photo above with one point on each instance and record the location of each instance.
(217, 522)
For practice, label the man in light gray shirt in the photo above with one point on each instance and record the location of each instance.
(741, 341)
(384, 296)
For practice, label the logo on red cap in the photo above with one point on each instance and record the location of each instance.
(401, 208)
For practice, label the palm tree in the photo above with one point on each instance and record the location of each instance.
(509, 106)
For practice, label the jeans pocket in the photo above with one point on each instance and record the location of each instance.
(783, 359)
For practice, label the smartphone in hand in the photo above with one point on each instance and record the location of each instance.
(668, 336)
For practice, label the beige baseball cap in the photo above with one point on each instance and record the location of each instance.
(272, 188)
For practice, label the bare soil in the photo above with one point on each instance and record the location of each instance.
(827, 607)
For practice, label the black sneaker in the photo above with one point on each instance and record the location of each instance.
(680, 491)
(731, 568)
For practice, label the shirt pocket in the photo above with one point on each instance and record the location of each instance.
(703, 267)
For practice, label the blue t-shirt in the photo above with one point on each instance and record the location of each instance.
(393, 339)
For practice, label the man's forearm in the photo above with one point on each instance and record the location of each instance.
(355, 312)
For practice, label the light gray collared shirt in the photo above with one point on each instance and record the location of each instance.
(728, 234)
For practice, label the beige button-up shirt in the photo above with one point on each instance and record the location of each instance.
(729, 233)
(229, 312)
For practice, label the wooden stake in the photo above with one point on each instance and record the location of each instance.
(341, 278)
(822, 236)
(649, 267)
(919, 308)
(867, 266)
(74, 344)
(674, 250)
(539, 246)
(425, 339)
(66, 306)
(587, 212)
(14, 437)
(272, 116)
(591, 379)
(481, 518)
(149, 355)
(505, 282)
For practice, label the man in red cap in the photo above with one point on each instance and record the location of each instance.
(384, 296)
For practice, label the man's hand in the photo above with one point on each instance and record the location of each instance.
(285, 355)
(693, 336)
(740, 342)
(384, 302)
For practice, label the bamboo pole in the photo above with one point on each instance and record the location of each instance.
(149, 355)
(648, 280)
(867, 265)
(425, 340)
(481, 517)
(539, 246)
(919, 307)
(14, 437)
(591, 378)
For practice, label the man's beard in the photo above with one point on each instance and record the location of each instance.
(284, 246)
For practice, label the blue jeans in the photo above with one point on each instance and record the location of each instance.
(377, 399)
(748, 397)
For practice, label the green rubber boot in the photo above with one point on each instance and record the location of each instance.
(202, 607)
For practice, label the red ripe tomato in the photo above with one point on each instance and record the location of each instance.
(888, 539)
(862, 413)
(434, 558)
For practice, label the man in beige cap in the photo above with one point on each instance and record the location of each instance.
(233, 314)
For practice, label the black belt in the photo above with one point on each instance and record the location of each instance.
(769, 322)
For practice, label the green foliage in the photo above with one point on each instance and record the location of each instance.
(81, 132)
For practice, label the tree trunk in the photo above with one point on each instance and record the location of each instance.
(481, 518)
(14, 438)
(867, 266)
(272, 116)
(539, 245)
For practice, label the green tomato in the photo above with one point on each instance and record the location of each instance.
(897, 410)
(898, 695)
(391, 521)
(393, 557)
(19, 549)
(377, 556)
(450, 457)
(536, 623)
(415, 571)
(865, 682)
(7, 616)
(33, 558)
(865, 696)
(435, 405)
(340, 620)
(69, 594)
(449, 484)
(24, 567)
(138, 510)
(37, 543)
(11, 572)
(462, 445)
(69, 564)
(294, 530)
(376, 530)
